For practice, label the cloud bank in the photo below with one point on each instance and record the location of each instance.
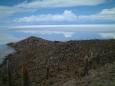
(58, 32)
(36, 4)
(69, 16)
(60, 3)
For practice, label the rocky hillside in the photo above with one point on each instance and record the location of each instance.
(39, 62)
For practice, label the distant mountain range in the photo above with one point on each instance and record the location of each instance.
(39, 62)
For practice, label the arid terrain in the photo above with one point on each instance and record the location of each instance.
(39, 62)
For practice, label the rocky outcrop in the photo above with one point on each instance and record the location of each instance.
(40, 62)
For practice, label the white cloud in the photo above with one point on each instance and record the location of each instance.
(105, 31)
(35, 4)
(6, 11)
(105, 14)
(66, 16)
(108, 35)
(108, 13)
(33, 32)
(66, 34)
(65, 28)
(59, 3)
(69, 16)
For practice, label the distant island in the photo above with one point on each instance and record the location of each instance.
(40, 62)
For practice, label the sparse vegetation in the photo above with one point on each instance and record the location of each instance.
(76, 63)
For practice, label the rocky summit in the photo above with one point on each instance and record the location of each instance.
(39, 62)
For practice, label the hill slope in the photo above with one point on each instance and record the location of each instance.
(40, 62)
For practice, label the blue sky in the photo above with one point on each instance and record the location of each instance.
(56, 12)
(16, 16)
